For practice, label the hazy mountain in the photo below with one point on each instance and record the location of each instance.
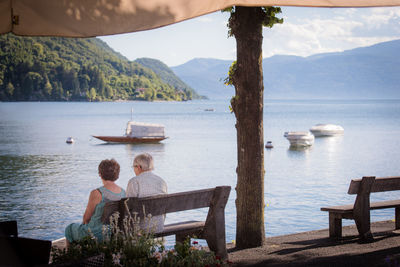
(366, 72)
(167, 75)
(206, 75)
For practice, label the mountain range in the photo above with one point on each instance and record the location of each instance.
(362, 73)
(87, 69)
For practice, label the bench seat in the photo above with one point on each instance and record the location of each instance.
(182, 228)
(373, 206)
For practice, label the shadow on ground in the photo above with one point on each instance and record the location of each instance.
(316, 249)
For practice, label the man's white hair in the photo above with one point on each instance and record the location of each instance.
(145, 161)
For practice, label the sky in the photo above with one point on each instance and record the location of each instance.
(305, 32)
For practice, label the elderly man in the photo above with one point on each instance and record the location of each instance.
(145, 184)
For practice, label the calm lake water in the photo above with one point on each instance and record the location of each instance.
(45, 183)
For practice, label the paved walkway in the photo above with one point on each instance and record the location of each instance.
(316, 249)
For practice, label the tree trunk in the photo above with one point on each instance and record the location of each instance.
(247, 105)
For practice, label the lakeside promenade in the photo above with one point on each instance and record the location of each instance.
(314, 248)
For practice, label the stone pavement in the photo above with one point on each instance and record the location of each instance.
(314, 248)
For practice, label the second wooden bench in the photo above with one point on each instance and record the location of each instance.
(360, 210)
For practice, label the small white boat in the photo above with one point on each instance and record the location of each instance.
(269, 145)
(326, 130)
(299, 138)
(70, 140)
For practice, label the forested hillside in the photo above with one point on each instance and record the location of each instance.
(167, 75)
(78, 69)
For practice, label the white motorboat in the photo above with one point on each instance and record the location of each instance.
(70, 140)
(299, 138)
(326, 130)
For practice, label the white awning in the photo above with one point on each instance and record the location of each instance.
(141, 129)
(87, 18)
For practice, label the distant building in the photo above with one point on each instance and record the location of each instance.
(140, 90)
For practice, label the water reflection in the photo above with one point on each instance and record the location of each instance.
(135, 149)
(331, 144)
(32, 191)
(299, 151)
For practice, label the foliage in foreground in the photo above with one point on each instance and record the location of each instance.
(133, 246)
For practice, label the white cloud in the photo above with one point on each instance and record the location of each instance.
(205, 19)
(344, 29)
(347, 11)
(306, 31)
(366, 41)
(381, 16)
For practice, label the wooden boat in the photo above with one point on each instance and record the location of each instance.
(137, 132)
(130, 139)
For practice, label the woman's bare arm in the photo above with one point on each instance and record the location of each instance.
(94, 199)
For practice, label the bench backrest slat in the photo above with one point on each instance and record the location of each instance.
(162, 204)
(20, 251)
(380, 185)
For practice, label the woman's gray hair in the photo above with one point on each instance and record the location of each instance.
(145, 161)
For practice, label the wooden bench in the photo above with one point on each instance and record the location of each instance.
(212, 229)
(360, 210)
(20, 251)
(8, 229)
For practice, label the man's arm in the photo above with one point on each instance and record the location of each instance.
(132, 189)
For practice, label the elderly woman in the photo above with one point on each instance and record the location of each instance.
(109, 173)
(145, 184)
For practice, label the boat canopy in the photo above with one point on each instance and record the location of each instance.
(141, 129)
